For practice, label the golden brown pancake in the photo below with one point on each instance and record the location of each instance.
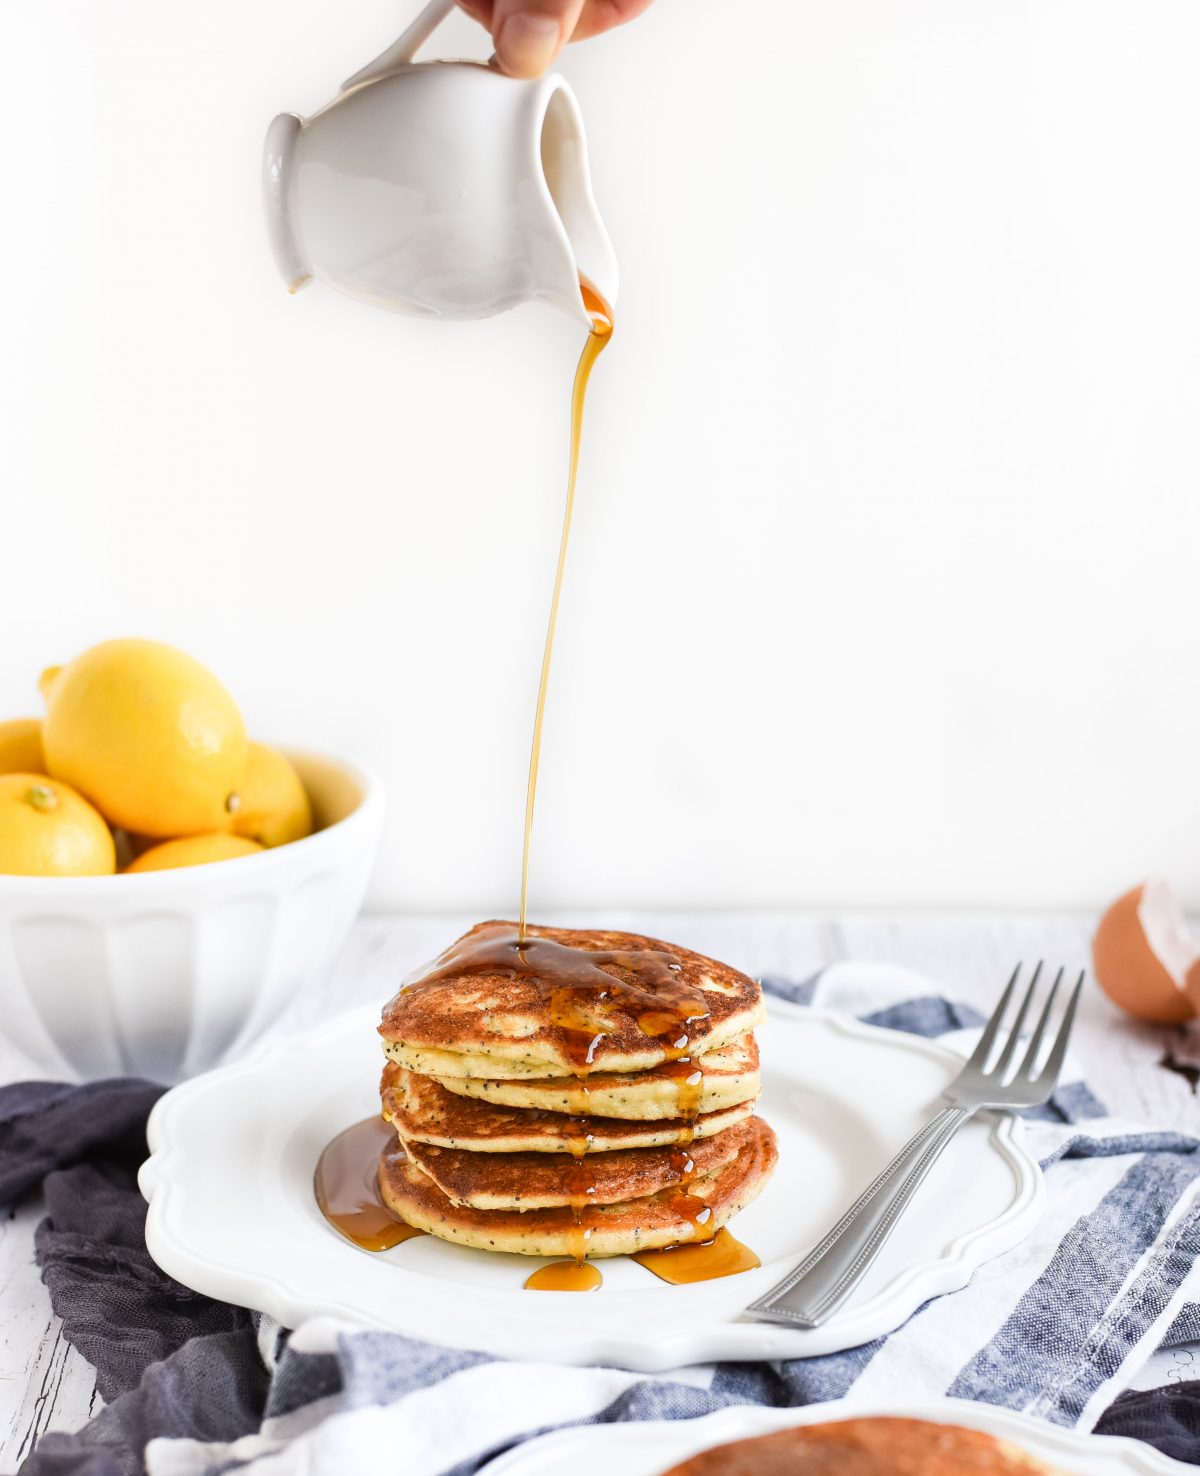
(566, 1002)
(667, 1218)
(529, 1181)
(729, 1078)
(867, 1447)
(425, 1111)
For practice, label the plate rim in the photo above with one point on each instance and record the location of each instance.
(734, 1339)
(729, 1424)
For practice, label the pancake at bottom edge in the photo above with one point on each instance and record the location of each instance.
(870, 1446)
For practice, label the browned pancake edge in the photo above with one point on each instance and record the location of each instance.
(658, 1220)
(426, 1111)
(530, 1181)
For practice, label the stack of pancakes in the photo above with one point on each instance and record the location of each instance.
(575, 1093)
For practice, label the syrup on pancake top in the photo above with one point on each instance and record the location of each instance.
(867, 1447)
(564, 1002)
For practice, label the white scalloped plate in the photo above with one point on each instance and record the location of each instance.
(650, 1448)
(232, 1214)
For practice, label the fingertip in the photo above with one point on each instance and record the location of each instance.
(526, 44)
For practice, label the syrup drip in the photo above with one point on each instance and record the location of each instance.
(689, 1089)
(565, 1276)
(346, 1184)
(580, 1188)
(602, 327)
(709, 1260)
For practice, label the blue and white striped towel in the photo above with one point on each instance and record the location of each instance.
(1056, 1327)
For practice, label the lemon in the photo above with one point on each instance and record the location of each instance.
(46, 829)
(194, 850)
(273, 807)
(148, 735)
(21, 747)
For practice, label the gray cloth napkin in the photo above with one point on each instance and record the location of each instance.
(183, 1362)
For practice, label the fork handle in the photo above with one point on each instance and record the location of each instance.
(810, 1293)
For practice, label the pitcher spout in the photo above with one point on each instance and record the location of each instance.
(564, 168)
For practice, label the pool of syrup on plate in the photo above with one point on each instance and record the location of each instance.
(346, 1184)
(644, 981)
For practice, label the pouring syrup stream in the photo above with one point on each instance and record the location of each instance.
(597, 341)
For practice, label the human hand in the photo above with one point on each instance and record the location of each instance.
(529, 34)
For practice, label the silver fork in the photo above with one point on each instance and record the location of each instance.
(810, 1293)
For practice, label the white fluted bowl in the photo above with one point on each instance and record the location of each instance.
(163, 974)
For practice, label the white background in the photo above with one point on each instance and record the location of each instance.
(884, 581)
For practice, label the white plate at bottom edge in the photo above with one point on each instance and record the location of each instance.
(651, 1448)
(232, 1214)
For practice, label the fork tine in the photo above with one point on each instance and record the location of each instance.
(980, 1054)
(1054, 1062)
(1014, 1035)
(1026, 1067)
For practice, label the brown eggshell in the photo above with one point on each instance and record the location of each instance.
(1144, 954)
(1192, 985)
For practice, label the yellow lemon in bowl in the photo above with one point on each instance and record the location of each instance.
(194, 850)
(46, 829)
(21, 747)
(272, 807)
(148, 735)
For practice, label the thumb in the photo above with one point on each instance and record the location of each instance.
(529, 34)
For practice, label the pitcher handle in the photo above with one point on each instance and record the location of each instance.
(403, 50)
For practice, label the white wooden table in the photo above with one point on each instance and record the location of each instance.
(46, 1385)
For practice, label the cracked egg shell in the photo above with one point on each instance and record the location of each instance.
(1146, 958)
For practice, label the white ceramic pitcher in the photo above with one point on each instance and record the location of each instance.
(444, 189)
